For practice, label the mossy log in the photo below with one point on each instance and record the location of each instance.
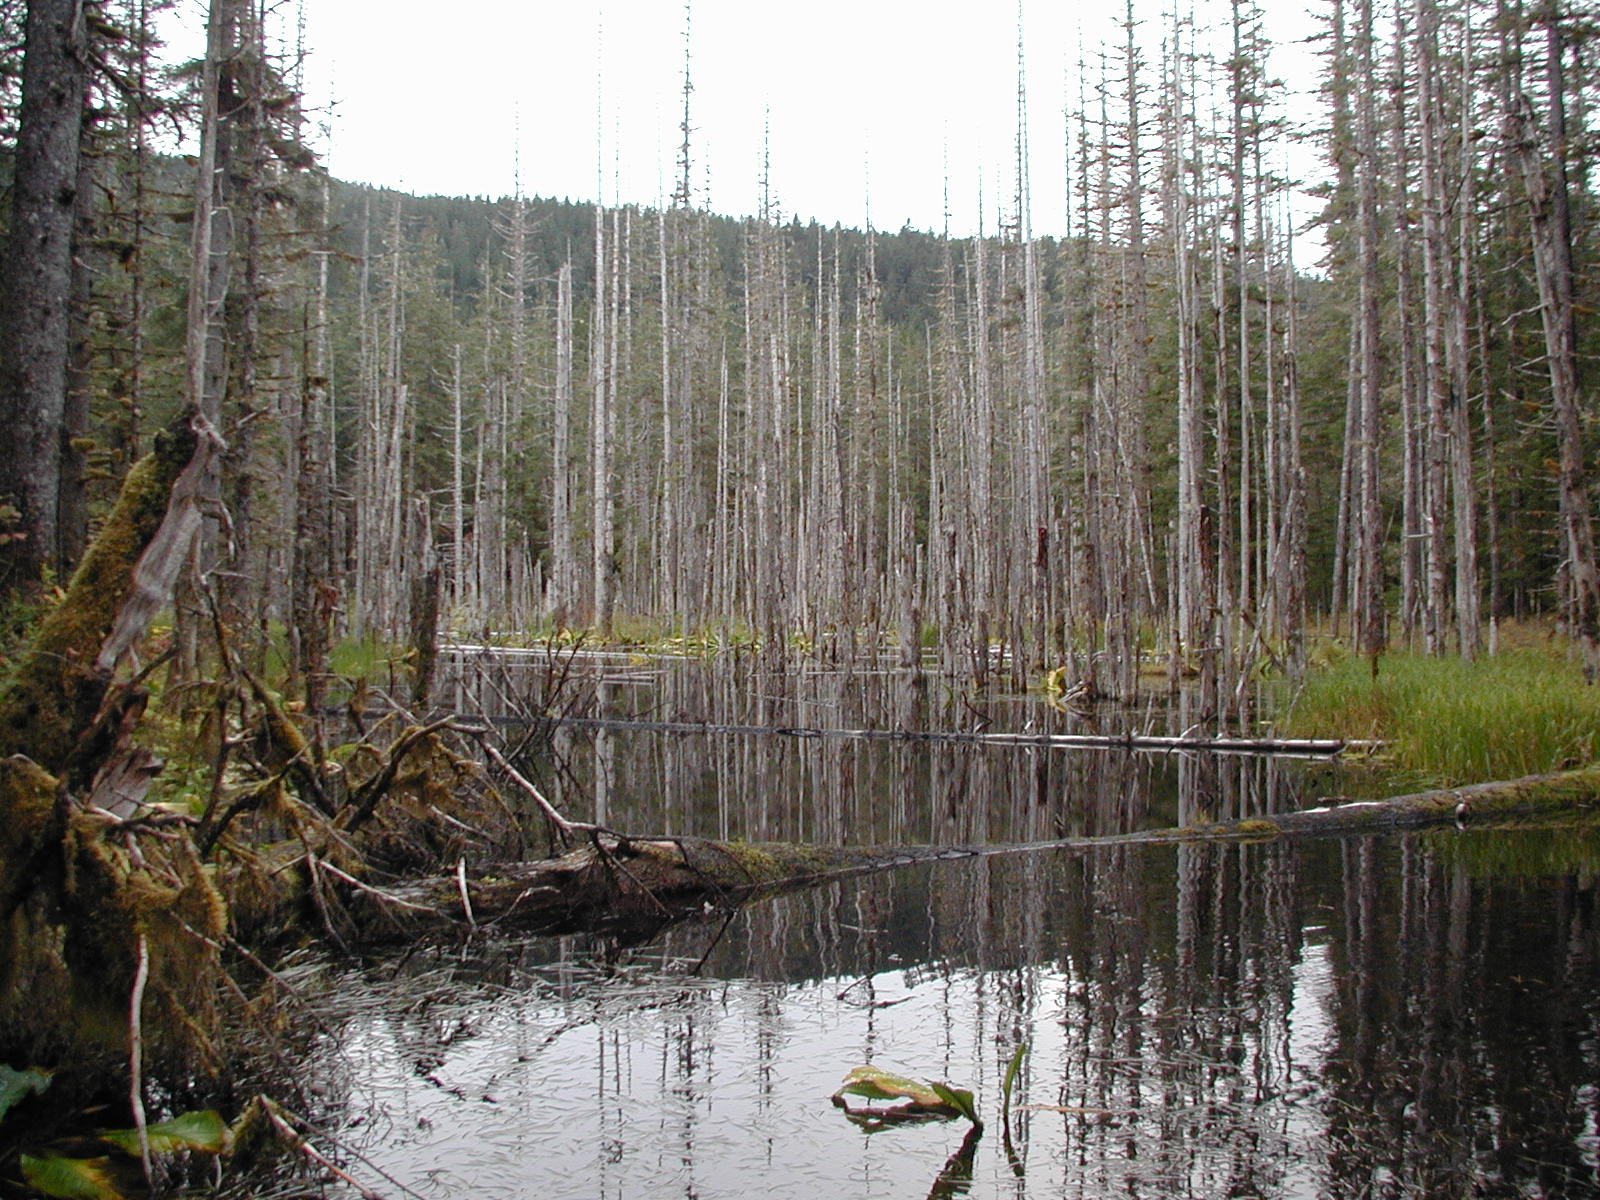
(632, 887)
(1563, 794)
(629, 887)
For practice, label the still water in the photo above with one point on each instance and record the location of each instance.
(1415, 1016)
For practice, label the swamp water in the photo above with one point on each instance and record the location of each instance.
(1400, 1016)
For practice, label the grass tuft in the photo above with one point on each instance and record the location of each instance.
(1522, 712)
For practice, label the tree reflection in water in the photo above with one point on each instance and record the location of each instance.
(1411, 1016)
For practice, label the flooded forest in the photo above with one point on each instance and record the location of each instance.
(621, 699)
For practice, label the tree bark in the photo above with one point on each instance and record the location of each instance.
(36, 284)
(1546, 189)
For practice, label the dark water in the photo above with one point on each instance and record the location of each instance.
(1413, 1016)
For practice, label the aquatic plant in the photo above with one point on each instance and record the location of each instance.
(931, 1100)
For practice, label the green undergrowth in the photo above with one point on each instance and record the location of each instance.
(630, 634)
(1521, 712)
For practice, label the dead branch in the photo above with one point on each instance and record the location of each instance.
(522, 781)
(372, 791)
(141, 976)
(386, 897)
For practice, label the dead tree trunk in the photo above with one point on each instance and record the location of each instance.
(1546, 189)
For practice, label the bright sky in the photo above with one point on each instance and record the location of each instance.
(869, 103)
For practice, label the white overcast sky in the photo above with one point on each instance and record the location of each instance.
(869, 103)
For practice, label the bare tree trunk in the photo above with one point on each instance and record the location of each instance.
(312, 593)
(36, 283)
(458, 497)
(1193, 631)
(1463, 483)
(1413, 427)
(1369, 602)
(72, 506)
(1435, 366)
(1342, 151)
(602, 339)
(1546, 188)
(561, 596)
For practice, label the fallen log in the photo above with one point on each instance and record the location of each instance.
(629, 887)
(632, 887)
(1292, 747)
(1564, 793)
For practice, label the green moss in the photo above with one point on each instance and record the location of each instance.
(28, 798)
(53, 692)
(1258, 826)
(773, 862)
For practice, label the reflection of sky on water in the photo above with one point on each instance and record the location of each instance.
(1379, 1018)
(1191, 1011)
(722, 1090)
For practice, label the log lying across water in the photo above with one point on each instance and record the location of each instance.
(1564, 794)
(632, 887)
(1298, 747)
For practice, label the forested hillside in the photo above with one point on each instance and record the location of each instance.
(1160, 431)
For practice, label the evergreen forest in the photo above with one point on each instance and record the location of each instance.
(1160, 433)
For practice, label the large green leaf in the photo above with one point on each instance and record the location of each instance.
(15, 1084)
(875, 1083)
(935, 1099)
(204, 1131)
(70, 1178)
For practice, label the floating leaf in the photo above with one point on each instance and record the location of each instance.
(71, 1178)
(930, 1099)
(877, 1084)
(204, 1131)
(15, 1085)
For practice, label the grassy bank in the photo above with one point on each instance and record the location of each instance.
(1522, 712)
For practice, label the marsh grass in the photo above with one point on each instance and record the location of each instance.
(1522, 712)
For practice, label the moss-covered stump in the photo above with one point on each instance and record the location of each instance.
(50, 705)
(93, 915)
